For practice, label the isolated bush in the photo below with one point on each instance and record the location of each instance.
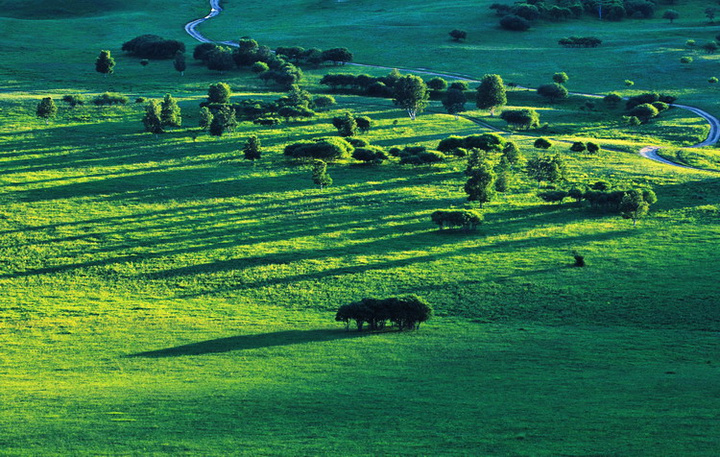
(420, 155)
(74, 100)
(521, 118)
(110, 98)
(592, 147)
(577, 146)
(612, 99)
(553, 92)
(357, 142)
(542, 143)
(370, 154)
(644, 112)
(458, 35)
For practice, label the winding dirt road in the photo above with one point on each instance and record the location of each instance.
(649, 152)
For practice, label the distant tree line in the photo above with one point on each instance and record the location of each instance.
(404, 313)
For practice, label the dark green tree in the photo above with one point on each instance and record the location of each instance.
(411, 94)
(454, 101)
(219, 94)
(206, 118)
(152, 119)
(104, 64)
(546, 168)
(220, 59)
(437, 83)
(46, 109)
(170, 115)
(251, 150)
(479, 186)
(670, 15)
(346, 125)
(635, 204)
(560, 77)
(320, 175)
(525, 118)
(542, 143)
(179, 63)
(491, 93)
(553, 92)
(223, 121)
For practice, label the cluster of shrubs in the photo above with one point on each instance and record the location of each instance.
(417, 155)
(641, 108)
(110, 98)
(404, 313)
(519, 16)
(153, 47)
(465, 219)
(362, 84)
(459, 146)
(580, 42)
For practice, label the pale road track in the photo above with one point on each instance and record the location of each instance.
(649, 152)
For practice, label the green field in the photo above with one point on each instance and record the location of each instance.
(162, 296)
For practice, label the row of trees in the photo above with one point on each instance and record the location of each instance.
(404, 313)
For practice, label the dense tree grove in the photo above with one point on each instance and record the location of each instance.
(153, 47)
(405, 313)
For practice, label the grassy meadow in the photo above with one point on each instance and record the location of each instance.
(162, 296)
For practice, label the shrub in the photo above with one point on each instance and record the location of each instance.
(542, 143)
(553, 196)
(110, 98)
(580, 42)
(612, 99)
(267, 121)
(577, 146)
(514, 23)
(370, 154)
(521, 118)
(357, 142)
(419, 155)
(327, 148)
(592, 147)
(74, 100)
(451, 143)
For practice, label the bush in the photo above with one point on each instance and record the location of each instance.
(74, 100)
(514, 23)
(553, 196)
(465, 219)
(267, 121)
(327, 148)
(370, 154)
(577, 146)
(612, 99)
(451, 143)
(580, 42)
(357, 142)
(110, 98)
(542, 143)
(406, 312)
(592, 147)
(153, 47)
(419, 155)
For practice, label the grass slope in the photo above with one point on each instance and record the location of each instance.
(162, 296)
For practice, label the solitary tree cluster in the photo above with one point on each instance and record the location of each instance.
(465, 219)
(405, 313)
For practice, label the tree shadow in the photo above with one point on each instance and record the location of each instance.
(245, 342)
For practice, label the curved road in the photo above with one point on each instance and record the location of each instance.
(649, 152)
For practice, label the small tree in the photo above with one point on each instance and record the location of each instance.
(320, 175)
(411, 94)
(458, 35)
(546, 168)
(525, 118)
(454, 101)
(479, 186)
(553, 92)
(153, 117)
(251, 150)
(224, 120)
(206, 118)
(437, 83)
(323, 102)
(46, 109)
(219, 94)
(105, 64)
(170, 112)
(491, 93)
(635, 204)
(560, 78)
(670, 15)
(346, 125)
(592, 148)
(577, 146)
(179, 63)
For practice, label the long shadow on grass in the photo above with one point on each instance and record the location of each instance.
(245, 342)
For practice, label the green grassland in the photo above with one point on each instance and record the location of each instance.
(162, 296)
